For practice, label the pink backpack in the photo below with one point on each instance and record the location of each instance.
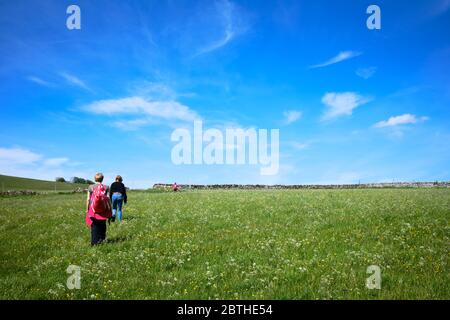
(100, 204)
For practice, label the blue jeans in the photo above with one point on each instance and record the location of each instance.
(117, 201)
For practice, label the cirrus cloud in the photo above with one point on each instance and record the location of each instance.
(366, 73)
(40, 81)
(55, 162)
(233, 23)
(291, 116)
(341, 104)
(400, 120)
(75, 81)
(168, 110)
(341, 56)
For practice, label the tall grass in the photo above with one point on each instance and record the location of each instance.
(260, 244)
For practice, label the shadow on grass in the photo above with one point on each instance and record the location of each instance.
(128, 218)
(118, 239)
(116, 221)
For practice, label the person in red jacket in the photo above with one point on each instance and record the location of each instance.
(175, 187)
(98, 209)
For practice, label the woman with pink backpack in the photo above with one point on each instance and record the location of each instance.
(98, 209)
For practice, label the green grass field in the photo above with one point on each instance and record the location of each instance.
(261, 244)
(15, 183)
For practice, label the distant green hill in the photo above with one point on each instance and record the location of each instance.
(16, 183)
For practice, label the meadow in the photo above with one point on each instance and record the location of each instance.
(233, 244)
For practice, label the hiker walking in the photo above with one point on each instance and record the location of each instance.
(118, 194)
(98, 209)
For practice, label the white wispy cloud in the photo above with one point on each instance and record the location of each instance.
(18, 156)
(342, 56)
(366, 73)
(218, 44)
(55, 162)
(408, 91)
(73, 80)
(341, 104)
(39, 81)
(299, 146)
(231, 20)
(400, 120)
(22, 162)
(291, 116)
(133, 125)
(169, 110)
(156, 90)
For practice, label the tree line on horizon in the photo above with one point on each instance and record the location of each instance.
(74, 180)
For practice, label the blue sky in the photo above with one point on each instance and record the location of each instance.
(351, 104)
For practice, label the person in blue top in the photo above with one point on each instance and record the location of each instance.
(118, 195)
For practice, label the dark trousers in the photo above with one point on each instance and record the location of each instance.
(98, 231)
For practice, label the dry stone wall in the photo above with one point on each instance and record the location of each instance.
(164, 186)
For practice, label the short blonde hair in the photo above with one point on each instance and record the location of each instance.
(119, 178)
(98, 177)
